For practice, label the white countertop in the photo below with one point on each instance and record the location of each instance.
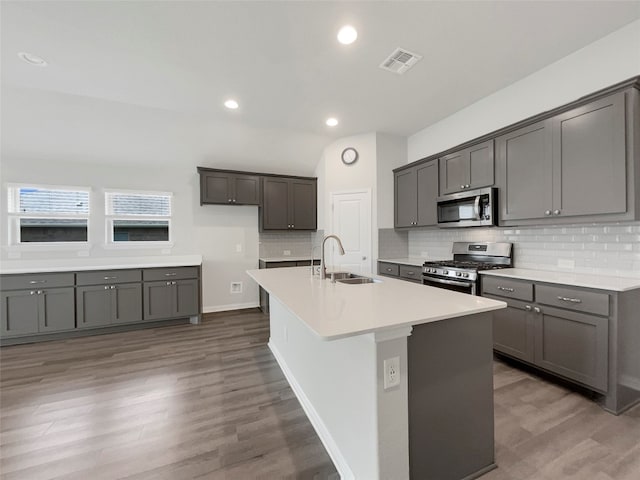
(336, 310)
(415, 262)
(104, 263)
(588, 280)
(287, 259)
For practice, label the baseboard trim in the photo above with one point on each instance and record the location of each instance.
(630, 382)
(325, 437)
(231, 306)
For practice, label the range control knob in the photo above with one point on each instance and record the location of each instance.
(445, 272)
(458, 274)
(465, 275)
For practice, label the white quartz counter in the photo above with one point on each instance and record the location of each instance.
(601, 282)
(106, 263)
(414, 262)
(336, 310)
(289, 258)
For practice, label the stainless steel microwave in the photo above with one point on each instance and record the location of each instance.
(474, 208)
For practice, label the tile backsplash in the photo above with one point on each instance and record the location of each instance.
(608, 249)
(273, 244)
(393, 243)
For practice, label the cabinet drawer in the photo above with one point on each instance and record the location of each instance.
(507, 287)
(411, 272)
(281, 264)
(391, 269)
(177, 273)
(36, 280)
(573, 299)
(106, 277)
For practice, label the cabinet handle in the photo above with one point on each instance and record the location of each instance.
(467, 186)
(34, 282)
(234, 200)
(106, 287)
(388, 269)
(556, 212)
(40, 292)
(527, 308)
(112, 287)
(292, 225)
(505, 289)
(229, 200)
(170, 274)
(110, 278)
(168, 283)
(569, 299)
(32, 292)
(411, 273)
(461, 186)
(547, 212)
(537, 309)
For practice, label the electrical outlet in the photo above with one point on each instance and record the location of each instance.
(286, 253)
(236, 287)
(391, 372)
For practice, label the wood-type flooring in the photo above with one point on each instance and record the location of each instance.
(209, 402)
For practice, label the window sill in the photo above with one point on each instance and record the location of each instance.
(49, 246)
(136, 245)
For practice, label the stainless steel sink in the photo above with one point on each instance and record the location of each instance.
(352, 278)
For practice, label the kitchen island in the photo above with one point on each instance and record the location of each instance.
(432, 416)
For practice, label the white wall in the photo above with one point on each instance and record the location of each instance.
(391, 153)
(610, 60)
(212, 231)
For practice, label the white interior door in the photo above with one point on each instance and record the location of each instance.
(351, 221)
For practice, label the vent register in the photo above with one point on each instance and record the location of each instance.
(400, 61)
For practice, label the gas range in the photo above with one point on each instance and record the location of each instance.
(461, 273)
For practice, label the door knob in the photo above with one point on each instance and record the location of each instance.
(364, 258)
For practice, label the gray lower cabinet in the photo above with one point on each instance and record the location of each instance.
(467, 169)
(264, 296)
(412, 273)
(564, 341)
(102, 305)
(167, 299)
(416, 191)
(37, 311)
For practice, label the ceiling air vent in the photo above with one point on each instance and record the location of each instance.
(400, 61)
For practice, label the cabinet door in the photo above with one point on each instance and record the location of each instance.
(427, 193)
(573, 345)
(57, 310)
(513, 330)
(158, 300)
(589, 155)
(524, 172)
(303, 201)
(481, 165)
(246, 190)
(93, 306)
(216, 187)
(186, 298)
(406, 198)
(19, 314)
(454, 172)
(275, 204)
(126, 303)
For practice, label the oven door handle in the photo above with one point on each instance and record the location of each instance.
(448, 282)
(476, 207)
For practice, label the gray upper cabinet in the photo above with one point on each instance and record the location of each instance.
(467, 169)
(228, 187)
(525, 169)
(589, 169)
(416, 191)
(289, 203)
(576, 166)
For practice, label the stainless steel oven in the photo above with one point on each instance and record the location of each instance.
(475, 208)
(455, 285)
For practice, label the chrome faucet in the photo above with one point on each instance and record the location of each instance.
(323, 267)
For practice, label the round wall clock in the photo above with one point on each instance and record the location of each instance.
(349, 156)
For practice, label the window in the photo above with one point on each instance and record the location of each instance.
(138, 217)
(48, 214)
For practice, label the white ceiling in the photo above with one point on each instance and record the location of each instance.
(281, 60)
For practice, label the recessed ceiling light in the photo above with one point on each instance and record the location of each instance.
(232, 104)
(332, 122)
(347, 35)
(32, 59)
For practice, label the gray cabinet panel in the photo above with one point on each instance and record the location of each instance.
(454, 172)
(508, 288)
(481, 165)
(186, 298)
(303, 204)
(513, 330)
(158, 300)
(573, 345)
(467, 169)
(412, 273)
(573, 299)
(227, 187)
(93, 306)
(246, 190)
(36, 281)
(406, 198)
(389, 269)
(176, 273)
(215, 188)
(525, 164)
(275, 204)
(19, 314)
(427, 185)
(57, 312)
(108, 277)
(126, 303)
(590, 159)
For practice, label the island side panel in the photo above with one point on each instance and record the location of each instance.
(451, 426)
(337, 383)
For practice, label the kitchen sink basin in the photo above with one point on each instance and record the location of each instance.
(352, 278)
